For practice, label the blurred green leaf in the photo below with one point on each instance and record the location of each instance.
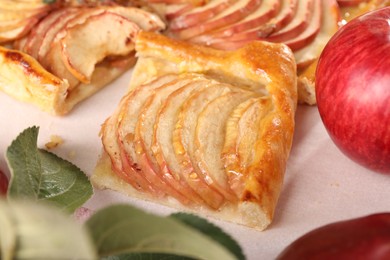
(39, 175)
(211, 231)
(121, 229)
(146, 256)
(32, 230)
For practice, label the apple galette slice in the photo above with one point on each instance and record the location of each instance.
(78, 49)
(203, 130)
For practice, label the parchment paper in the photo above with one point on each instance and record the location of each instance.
(321, 184)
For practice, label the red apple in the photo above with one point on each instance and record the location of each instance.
(366, 237)
(3, 183)
(353, 89)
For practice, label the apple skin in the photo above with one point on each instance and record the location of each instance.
(353, 89)
(350, 2)
(366, 237)
(3, 183)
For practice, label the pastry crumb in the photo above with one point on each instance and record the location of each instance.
(55, 141)
(72, 154)
(335, 184)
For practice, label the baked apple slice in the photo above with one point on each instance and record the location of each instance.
(80, 46)
(147, 21)
(173, 11)
(14, 30)
(18, 18)
(14, 17)
(55, 65)
(192, 2)
(330, 22)
(199, 14)
(34, 39)
(265, 12)
(307, 57)
(22, 6)
(126, 134)
(19, 43)
(126, 157)
(234, 13)
(310, 33)
(183, 142)
(118, 162)
(235, 129)
(243, 129)
(51, 46)
(48, 41)
(83, 46)
(282, 19)
(209, 139)
(167, 138)
(296, 26)
(143, 143)
(162, 141)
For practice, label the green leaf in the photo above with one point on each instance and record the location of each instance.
(212, 231)
(31, 230)
(39, 175)
(122, 229)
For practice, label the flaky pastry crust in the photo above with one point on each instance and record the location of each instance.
(24, 78)
(70, 52)
(265, 69)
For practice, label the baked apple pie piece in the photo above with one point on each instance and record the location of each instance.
(203, 130)
(78, 49)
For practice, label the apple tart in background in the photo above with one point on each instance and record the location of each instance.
(204, 130)
(304, 25)
(58, 55)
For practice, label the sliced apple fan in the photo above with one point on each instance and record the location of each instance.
(203, 130)
(78, 49)
(304, 25)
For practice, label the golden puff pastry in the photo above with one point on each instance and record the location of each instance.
(203, 130)
(72, 53)
(24, 79)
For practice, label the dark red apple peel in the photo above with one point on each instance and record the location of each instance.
(353, 89)
(3, 183)
(366, 237)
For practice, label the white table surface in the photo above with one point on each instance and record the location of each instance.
(321, 184)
